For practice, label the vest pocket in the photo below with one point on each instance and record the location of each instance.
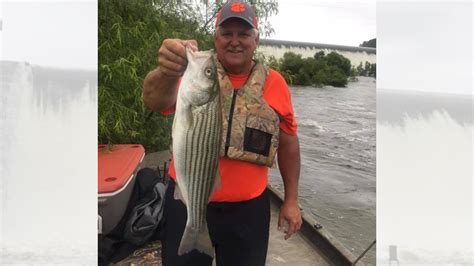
(258, 135)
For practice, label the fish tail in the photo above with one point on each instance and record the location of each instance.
(194, 238)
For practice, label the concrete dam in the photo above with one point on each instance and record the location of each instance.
(355, 54)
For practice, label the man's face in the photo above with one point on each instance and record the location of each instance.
(235, 41)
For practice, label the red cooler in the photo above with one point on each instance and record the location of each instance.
(117, 170)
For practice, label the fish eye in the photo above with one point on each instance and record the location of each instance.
(208, 72)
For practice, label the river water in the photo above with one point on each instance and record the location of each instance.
(336, 129)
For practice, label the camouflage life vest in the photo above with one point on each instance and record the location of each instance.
(250, 127)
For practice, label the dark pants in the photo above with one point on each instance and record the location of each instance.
(239, 232)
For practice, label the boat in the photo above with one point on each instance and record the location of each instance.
(312, 245)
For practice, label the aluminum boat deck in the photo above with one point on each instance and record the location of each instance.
(312, 245)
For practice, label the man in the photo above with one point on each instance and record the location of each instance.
(239, 212)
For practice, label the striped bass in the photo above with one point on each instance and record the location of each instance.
(196, 140)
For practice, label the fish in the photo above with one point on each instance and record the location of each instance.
(196, 138)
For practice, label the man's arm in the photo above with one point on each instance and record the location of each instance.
(160, 85)
(159, 91)
(289, 165)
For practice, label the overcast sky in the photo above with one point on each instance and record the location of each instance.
(44, 32)
(325, 21)
(419, 42)
(51, 33)
(425, 46)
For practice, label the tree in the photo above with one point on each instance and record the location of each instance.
(130, 33)
(370, 43)
(337, 77)
(332, 69)
(335, 59)
(360, 70)
(291, 62)
(319, 55)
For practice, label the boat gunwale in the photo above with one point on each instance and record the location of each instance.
(322, 240)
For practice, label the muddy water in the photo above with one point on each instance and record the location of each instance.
(336, 128)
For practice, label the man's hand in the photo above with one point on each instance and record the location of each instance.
(172, 56)
(290, 213)
(160, 86)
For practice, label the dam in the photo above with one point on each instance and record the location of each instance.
(278, 48)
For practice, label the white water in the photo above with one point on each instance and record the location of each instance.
(48, 191)
(424, 185)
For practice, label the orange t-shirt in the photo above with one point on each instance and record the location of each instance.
(241, 180)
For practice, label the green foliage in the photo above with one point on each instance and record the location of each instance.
(339, 61)
(291, 62)
(367, 69)
(370, 43)
(321, 69)
(332, 69)
(130, 33)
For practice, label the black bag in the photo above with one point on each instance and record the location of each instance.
(140, 222)
(146, 216)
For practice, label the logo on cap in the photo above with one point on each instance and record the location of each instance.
(237, 7)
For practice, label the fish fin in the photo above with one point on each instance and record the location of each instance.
(217, 184)
(196, 239)
(178, 195)
(189, 52)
